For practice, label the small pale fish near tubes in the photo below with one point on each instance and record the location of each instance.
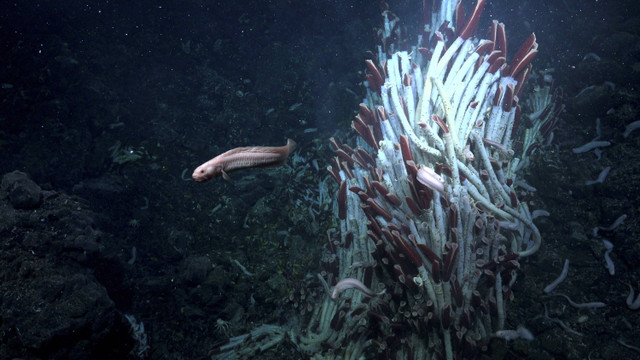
(538, 213)
(589, 305)
(631, 127)
(556, 282)
(590, 146)
(244, 157)
(633, 302)
(607, 259)
(520, 333)
(351, 283)
(603, 175)
(596, 230)
(430, 179)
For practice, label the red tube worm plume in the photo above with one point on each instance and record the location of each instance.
(501, 40)
(379, 209)
(472, 23)
(407, 250)
(507, 103)
(523, 57)
(449, 260)
(459, 15)
(376, 80)
(405, 146)
(456, 290)
(342, 200)
(440, 123)
(447, 316)
(337, 320)
(413, 206)
(453, 216)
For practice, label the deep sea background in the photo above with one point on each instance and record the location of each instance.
(110, 105)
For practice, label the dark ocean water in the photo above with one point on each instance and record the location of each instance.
(116, 102)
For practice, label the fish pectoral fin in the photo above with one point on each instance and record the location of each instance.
(226, 176)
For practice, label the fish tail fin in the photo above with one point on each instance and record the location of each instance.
(291, 145)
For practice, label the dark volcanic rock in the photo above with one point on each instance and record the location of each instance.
(23, 192)
(51, 304)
